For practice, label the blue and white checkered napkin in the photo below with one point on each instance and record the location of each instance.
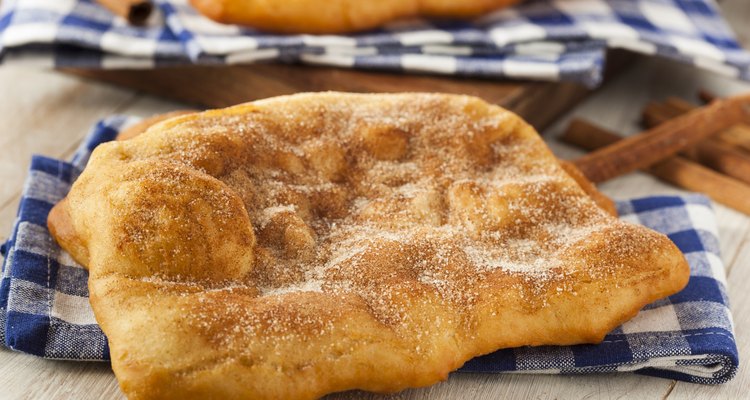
(44, 308)
(539, 39)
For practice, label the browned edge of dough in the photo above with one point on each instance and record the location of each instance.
(226, 12)
(140, 127)
(604, 202)
(61, 227)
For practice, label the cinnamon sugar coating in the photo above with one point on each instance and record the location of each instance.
(302, 245)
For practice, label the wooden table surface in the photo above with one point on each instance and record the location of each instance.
(49, 113)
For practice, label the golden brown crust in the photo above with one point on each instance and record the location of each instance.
(336, 16)
(141, 126)
(61, 228)
(303, 245)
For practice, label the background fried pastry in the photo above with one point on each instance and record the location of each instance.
(302, 245)
(336, 16)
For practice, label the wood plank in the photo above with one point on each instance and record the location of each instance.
(222, 86)
(539, 103)
(8, 217)
(28, 377)
(48, 114)
(522, 386)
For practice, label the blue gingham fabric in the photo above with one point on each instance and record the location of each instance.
(538, 39)
(44, 308)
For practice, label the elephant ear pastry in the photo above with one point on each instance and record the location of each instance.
(337, 16)
(303, 245)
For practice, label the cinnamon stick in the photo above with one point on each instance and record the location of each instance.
(656, 113)
(723, 158)
(737, 136)
(676, 169)
(712, 152)
(135, 11)
(664, 140)
(679, 105)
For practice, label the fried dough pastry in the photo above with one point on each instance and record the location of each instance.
(336, 16)
(303, 245)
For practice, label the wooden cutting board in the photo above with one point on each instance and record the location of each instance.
(220, 86)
